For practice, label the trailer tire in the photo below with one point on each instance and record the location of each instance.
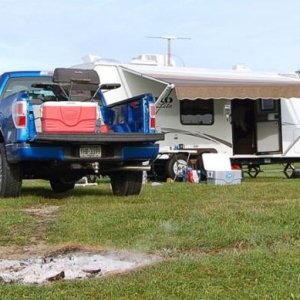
(174, 166)
(10, 176)
(59, 186)
(126, 183)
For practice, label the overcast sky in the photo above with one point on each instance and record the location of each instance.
(43, 34)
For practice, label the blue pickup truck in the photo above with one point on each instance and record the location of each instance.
(57, 126)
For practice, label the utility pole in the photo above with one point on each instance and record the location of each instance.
(169, 38)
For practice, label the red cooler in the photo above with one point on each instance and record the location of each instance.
(69, 116)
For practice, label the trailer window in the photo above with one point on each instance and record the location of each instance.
(197, 112)
(267, 104)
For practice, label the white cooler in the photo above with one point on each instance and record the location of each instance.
(218, 169)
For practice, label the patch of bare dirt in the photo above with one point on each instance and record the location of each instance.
(44, 215)
(46, 211)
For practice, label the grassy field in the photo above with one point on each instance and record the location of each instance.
(217, 242)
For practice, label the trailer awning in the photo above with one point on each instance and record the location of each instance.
(236, 92)
(192, 83)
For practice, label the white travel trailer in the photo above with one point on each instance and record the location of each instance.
(252, 117)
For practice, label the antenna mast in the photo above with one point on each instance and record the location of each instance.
(169, 38)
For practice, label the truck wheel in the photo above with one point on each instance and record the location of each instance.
(10, 176)
(126, 183)
(59, 186)
(175, 166)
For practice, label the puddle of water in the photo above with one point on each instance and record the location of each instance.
(68, 267)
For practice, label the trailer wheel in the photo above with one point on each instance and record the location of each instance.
(10, 176)
(126, 183)
(175, 166)
(59, 186)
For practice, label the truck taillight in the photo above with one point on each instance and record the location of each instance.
(152, 115)
(104, 128)
(19, 114)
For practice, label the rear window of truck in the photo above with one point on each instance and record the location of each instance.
(15, 85)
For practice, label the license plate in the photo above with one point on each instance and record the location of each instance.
(90, 151)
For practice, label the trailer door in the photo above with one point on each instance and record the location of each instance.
(256, 126)
(268, 126)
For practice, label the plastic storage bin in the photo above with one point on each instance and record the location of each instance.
(224, 177)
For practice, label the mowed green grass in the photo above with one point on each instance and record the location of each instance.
(217, 242)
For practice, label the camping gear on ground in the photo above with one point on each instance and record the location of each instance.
(219, 171)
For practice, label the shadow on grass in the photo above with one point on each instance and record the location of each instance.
(79, 192)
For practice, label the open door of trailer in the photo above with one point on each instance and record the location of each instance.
(268, 126)
(243, 126)
(256, 126)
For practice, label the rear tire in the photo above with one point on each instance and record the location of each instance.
(10, 176)
(59, 186)
(126, 183)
